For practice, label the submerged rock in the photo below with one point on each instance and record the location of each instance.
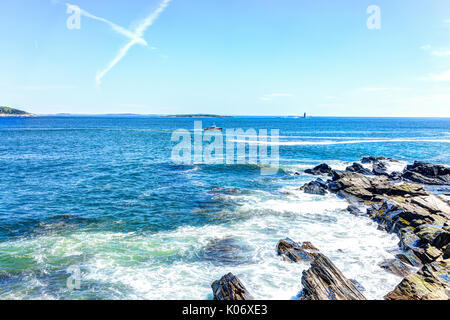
(323, 281)
(229, 287)
(294, 252)
(320, 170)
(315, 187)
(228, 250)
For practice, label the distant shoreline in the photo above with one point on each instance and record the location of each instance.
(26, 115)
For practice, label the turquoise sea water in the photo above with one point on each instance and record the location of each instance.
(101, 194)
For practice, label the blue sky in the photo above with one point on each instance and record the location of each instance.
(242, 57)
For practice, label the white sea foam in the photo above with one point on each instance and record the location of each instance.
(168, 264)
(398, 166)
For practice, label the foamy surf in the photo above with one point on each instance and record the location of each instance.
(172, 264)
(110, 202)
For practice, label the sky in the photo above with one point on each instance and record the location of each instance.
(234, 57)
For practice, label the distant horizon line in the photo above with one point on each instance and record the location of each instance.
(206, 115)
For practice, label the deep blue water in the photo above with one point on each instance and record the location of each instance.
(102, 193)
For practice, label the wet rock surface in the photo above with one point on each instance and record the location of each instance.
(419, 172)
(396, 176)
(396, 266)
(426, 173)
(358, 168)
(323, 281)
(408, 257)
(420, 219)
(294, 252)
(429, 283)
(372, 159)
(353, 209)
(358, 285)
(379, 169)
(229, 287)
(320, 170)
(318, 187)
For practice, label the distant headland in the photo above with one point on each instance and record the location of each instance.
(11, 112)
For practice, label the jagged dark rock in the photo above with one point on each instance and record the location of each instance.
(379, 169)
(418, 178)
(357, 285)
(396, 266)
(229, 287)
(372, 159)
(427, 173)
(367, 188)
(353, 209)
(435, 236)
(396, 176)
(323, 281)
(315, 187)
(429, 283)
(408, 257)
(420, 219)
(446, 251)
(294, 252)
(356, 167)
(320, 170)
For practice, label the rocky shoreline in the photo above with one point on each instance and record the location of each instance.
(399, 203)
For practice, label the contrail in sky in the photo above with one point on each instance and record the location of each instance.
(135, 37)
(115, 27)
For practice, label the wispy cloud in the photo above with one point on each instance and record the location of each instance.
(138, 33)
(437, 52)
(439, 77)
(441, 53)
(271, 96)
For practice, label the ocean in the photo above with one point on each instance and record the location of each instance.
(101, 195)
